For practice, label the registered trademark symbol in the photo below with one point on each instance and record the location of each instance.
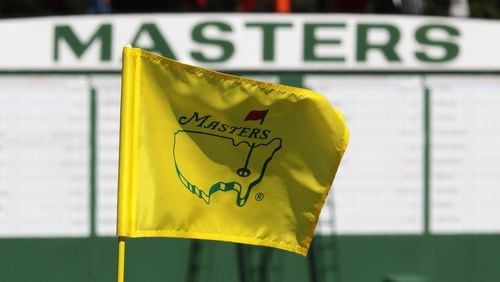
(259, 197)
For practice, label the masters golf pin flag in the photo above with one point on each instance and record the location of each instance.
(213, 156)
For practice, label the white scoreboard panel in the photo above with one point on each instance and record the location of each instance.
(45, 149)
(465, 167)
(44, 156)
(379, 186)
(107, 90)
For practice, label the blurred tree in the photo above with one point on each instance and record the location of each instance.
(21, 8)
(303, 6)
(134, 6)
(221, 5)
(68, 7)
(31, 8)
(484, 9)
(265, 6)
(350, 6)
(437, 7)
(152, 6)
(384, 7)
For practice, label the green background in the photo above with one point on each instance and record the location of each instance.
(362, 259)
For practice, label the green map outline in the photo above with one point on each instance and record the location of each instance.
(223, 186)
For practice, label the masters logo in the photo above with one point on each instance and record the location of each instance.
(212, 156)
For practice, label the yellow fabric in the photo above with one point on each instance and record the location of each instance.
(212, 156)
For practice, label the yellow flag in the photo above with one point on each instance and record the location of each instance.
(213, 156)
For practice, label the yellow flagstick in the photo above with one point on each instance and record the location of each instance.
(121, 259)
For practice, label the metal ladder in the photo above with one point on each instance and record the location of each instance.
(258, 264)
(324, 253)
(199, 267)
(255, 264)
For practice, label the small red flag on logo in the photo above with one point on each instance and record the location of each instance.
(256, 115)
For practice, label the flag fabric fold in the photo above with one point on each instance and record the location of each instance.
(193, 165)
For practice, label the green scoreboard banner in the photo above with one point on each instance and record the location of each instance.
(240, 42)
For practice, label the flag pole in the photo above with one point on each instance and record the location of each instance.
(121, 259)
